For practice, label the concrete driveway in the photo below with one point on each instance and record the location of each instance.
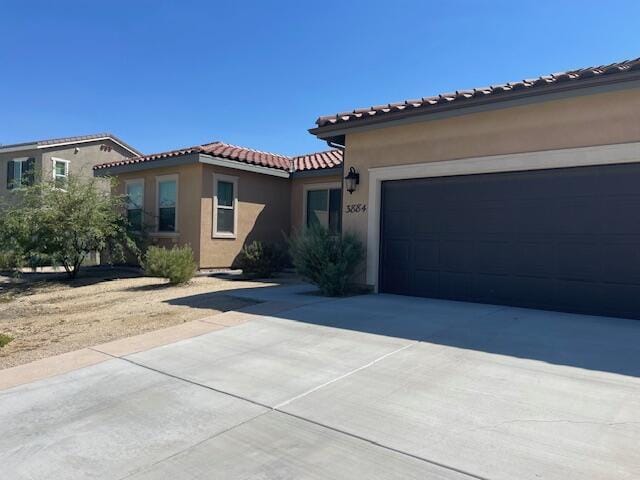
(375, 387)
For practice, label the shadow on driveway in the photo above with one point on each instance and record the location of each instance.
(589, 342)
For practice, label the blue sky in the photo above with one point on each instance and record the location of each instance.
(163, 74)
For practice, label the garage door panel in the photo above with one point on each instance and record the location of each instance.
(456, 286)
(426, 284)
(492, 288)
(457, 219)
(622, 300)
(493, 256)
(398, 223)
(577, 215)
(397, 281)
(397, 252)
(533, 292)
(565, 239)
(534, 258)
(577, 296)
(579, 261)
(488, 217)
(427, 254)
(457, 255)
(534, 216)
(623, 215)
(623, 262)
(428, 221)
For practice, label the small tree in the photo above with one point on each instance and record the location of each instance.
(65, 225)
(326, 260)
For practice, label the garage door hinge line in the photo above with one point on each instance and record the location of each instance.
(373, 362)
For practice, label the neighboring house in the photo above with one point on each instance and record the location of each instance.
(56, 159)
(526, 193)
(217, 198)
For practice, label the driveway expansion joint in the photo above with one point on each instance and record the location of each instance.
(298, 417)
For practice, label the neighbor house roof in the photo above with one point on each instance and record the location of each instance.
(390, 111)
(313, 161)
(51, 142)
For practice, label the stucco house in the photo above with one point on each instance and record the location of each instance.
(56, 159)
(217, 197)
(523, 193)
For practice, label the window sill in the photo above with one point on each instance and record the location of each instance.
(164, 234)
(229, 236)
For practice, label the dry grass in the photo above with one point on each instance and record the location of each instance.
(47, 315)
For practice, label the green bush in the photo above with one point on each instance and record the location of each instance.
(261, 259)
(9, 261)
(176, 264)
(326, 260)
(4, 339)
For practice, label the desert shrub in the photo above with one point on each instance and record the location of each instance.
(9, 261)
(326, 260)
(176, 264)
(4, 339)
(261, 259)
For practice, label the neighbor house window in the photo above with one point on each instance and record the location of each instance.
(225, 206)
(60, 172)
(323, 208)
(135, 203)
(167, 203)
(20, 172)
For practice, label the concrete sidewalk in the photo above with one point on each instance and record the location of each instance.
(364, 387)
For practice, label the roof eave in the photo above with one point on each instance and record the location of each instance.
(336, 132)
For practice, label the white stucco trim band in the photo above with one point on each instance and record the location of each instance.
(540, 160)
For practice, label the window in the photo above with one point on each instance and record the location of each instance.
(323, 208)
(20, 172)
(225, 206)
(167, 203)
(60, 172)
(135, 203)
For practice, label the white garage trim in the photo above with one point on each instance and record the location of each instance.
(570, 157)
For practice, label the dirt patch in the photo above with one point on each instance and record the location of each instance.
(46, 315)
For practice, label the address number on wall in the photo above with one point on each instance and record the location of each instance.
(356, 208)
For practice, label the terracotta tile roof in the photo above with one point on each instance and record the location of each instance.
(319, 160)
(247, 155)
(312, 161)
(70, 140)
(459, 96)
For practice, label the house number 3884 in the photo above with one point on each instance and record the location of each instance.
(356, 208)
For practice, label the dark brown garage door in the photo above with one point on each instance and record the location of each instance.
(565, 239)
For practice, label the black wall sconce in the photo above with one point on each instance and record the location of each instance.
(352, 180)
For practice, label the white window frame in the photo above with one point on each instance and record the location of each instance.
(53, 168)
(233, 180)
(311, 187)
(135, 181)
(21, 161)
(164, 178)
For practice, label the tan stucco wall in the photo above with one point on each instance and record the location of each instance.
(265, 207)
(297, 196)
(601, 119)
(263, 214)
(189, 192)
(80, 163)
